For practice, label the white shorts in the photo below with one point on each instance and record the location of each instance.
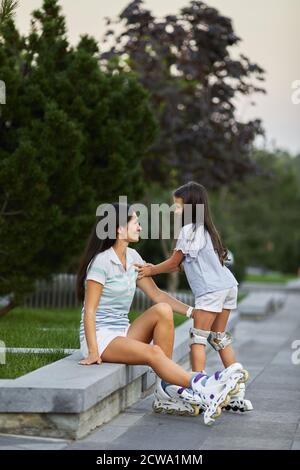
(216, 301)
(104, 337)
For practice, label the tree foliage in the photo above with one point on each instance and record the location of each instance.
(186, 63)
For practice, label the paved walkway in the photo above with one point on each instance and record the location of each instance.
(265, 348)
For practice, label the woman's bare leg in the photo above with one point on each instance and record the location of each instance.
(219, 325)
(155, 324)
(125, 350)
(203, 320)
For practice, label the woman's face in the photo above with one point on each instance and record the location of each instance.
(131, 233)
(178, 201)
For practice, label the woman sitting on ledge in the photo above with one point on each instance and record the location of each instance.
(106, 283)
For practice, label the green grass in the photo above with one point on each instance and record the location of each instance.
(18, 364)
(41, 328)
(276, 277)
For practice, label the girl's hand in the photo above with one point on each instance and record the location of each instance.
(91, 359)
(144, 270)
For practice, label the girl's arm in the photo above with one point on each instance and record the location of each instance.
(170, 265)
(92, 298)
(148, 286)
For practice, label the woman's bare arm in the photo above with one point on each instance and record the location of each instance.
(148, 286)
(92, 298)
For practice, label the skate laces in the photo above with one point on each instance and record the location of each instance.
(188, 390)
(179, 391)
(165, 384)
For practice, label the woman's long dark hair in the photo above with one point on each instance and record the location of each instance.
(96, 245)
(194, 193)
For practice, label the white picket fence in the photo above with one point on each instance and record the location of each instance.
(60, 293)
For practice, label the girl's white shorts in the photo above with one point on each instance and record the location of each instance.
(104, 337)
(216, 301)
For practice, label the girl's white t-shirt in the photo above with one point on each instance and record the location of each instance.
(202, 266)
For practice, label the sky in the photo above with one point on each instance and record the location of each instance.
(270, 36)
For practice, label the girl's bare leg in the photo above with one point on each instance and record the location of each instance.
(203, 320)
(219, 325)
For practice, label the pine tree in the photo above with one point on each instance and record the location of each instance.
(71, 138)
(7, 10)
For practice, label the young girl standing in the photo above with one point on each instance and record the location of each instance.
(200, 249)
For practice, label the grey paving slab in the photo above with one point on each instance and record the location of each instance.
(243, 443)
(175, 435)
(10, 447)
(10, 442)
(296, 445)
(297, 435)
(43, 446)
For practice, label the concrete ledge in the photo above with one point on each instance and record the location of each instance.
(249, 286)
(71, 425)
(64, 399)
(65, 387)
(293, 286)
(258, 305)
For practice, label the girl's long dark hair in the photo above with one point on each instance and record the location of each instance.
(96, 245)
(194, 193)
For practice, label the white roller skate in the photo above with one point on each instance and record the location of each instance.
(215, 391)
(238, 402)
(172, 399)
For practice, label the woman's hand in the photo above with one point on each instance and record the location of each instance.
(144, 270)
(93, 358)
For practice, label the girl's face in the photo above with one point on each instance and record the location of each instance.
(131, 233)
(178, 201)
